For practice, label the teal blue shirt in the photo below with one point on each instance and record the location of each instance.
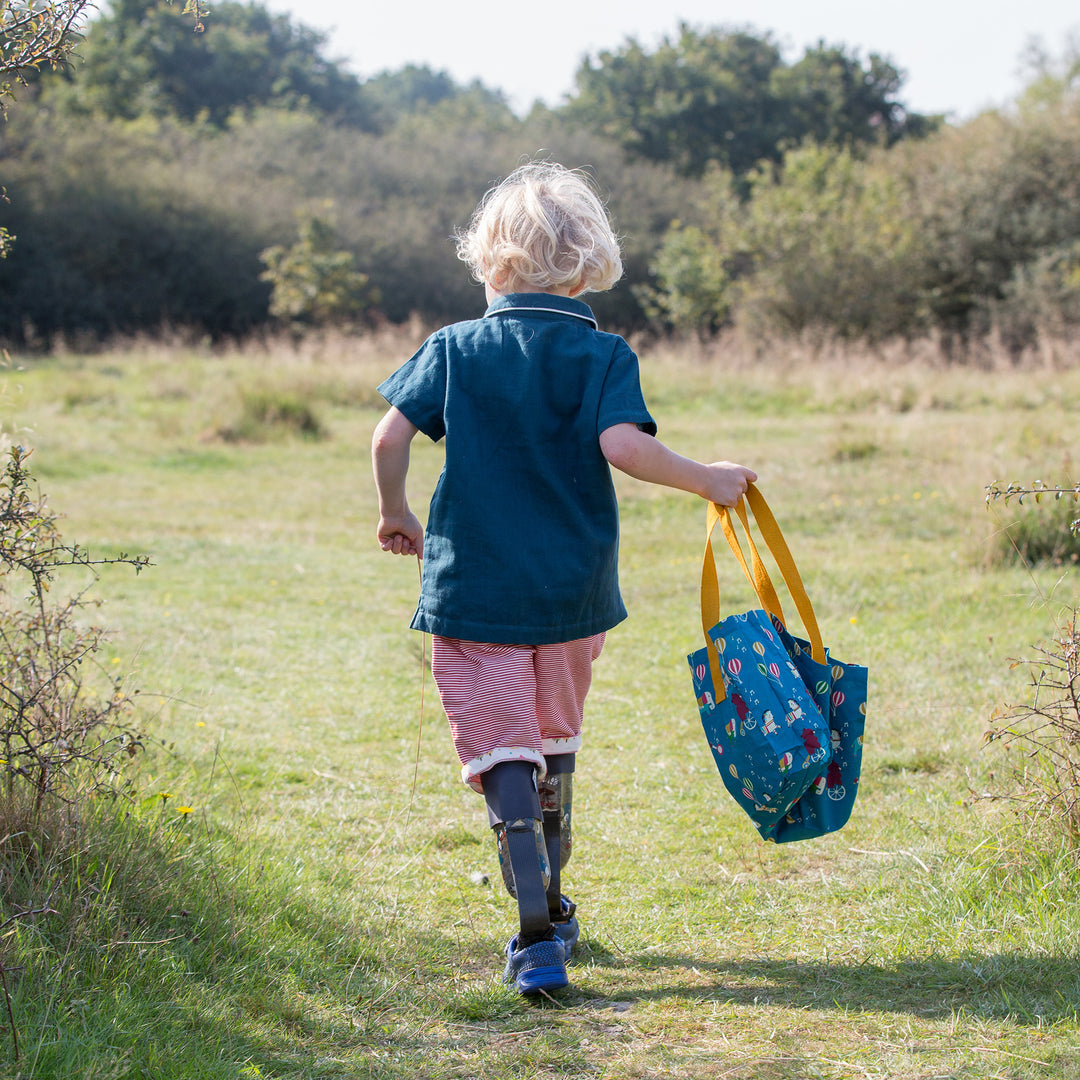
(522, 539)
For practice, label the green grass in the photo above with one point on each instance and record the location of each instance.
(316, 914)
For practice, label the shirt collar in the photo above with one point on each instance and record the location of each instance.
(548, 303)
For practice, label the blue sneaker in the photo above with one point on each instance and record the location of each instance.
(538, 967)
(566, 925)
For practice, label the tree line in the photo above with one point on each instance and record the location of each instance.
(235, 179)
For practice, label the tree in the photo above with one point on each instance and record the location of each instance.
(698, 99)
(823, 244)
(416, 91)
(135, 61)
(39, 35)
(314, 282)
(33, 35)
(835, 100)
(725, 97)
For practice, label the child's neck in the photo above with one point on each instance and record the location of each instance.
(568, 291)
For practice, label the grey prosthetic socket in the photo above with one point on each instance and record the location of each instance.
(556, 797)
(514, 811)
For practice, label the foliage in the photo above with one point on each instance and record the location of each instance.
(1053, 80)
(394, 96)
(60, 737)
(820, 244)
(971, 231)
(137, 60)
(118, 239)
(39, 36)
(822, 215)
(992, 201)
(725, 97)
(33, 35)
(36, 35)
(314, 283)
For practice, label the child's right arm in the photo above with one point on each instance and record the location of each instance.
(399, 530)
(630, 450)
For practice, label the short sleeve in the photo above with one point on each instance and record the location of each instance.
(418, 388)
(621, 401)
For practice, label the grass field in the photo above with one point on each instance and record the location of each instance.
(331, 906)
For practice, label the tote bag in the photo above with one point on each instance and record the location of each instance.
(783, 718)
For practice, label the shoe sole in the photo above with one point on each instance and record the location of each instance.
(540, 979)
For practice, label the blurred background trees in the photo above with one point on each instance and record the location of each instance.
(150, 175)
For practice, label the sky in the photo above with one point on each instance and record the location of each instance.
(959, 56)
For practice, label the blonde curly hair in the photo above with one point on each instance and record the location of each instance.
(543, 227)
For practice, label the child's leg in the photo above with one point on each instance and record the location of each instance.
(514, 810)
(508, 707)
(563, 676)
(489, 695)
(556, 802)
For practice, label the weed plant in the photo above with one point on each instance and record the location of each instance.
(307, 891)
(1044, 734)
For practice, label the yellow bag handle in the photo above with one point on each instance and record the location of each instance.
(757, 576)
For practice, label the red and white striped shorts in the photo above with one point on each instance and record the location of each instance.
(512, 702)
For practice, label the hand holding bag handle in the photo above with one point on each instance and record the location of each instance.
(758, 577)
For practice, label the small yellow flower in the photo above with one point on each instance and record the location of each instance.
(199, 723)
(166, 795)
(116, 659)
(184, 809)
(853, 620)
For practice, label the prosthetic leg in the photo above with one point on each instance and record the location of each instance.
(556, 797)
(514, 812)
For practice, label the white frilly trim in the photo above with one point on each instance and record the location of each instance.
(561, 746)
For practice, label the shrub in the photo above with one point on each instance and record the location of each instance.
(63, 733)
(1045, 731)
(1036, 534)
(269, 414)
(315, 283)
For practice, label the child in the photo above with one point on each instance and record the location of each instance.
(520, 552)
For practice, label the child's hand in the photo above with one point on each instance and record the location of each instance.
(727, 482)
(402, 535)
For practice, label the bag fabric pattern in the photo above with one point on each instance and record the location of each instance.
(784, 719)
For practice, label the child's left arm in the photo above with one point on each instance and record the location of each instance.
(399, 529)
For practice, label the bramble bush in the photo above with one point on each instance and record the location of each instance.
(66, 726)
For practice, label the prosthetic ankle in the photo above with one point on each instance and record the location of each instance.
(556, 796)
(514, 811)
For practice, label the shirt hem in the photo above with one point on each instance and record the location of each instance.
(512, 635)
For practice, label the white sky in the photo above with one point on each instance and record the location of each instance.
(960, 56)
